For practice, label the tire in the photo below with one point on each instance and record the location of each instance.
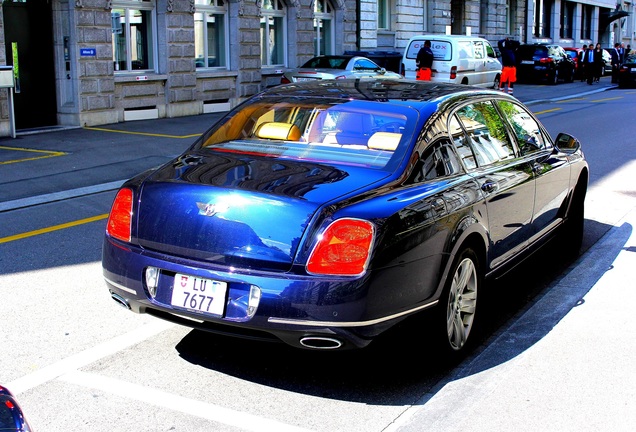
(572, 236)
(554, 79)
(458, 303)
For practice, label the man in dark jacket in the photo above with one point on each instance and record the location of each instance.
(507, 48)
(424, 62)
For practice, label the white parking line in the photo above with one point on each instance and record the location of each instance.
(59, 196)
(74, 362)
(173, 402)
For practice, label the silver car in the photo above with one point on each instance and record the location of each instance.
(336, 67)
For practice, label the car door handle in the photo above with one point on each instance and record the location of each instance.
(489, 186)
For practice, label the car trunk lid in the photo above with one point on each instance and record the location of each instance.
(239, 210)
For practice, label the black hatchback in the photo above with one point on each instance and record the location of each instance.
(543, 62)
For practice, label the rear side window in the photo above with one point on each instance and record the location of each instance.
(486, 132)
(438, 160)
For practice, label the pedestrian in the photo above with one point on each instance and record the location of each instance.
(581, 63)
(507, 48)
(616, 61)
(599, 63)
(424, 62)
(589, 64)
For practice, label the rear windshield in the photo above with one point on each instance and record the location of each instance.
(326, 63)
(362, 133)
(528, 52)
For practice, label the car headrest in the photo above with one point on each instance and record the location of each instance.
(384, 141)
(278, 131)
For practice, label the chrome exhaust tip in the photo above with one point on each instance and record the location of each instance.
(320, 342)
(120, 300)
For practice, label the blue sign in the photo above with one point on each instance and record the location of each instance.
(88, 52)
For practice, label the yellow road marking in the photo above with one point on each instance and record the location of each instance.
(607, 99)
(547, 111)
(44, 154)
(52, 228)
(143, 133)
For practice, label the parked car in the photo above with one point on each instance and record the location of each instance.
(574, 53)
(337, 67)
(323, 213)
(544, 62)
(627, 72)
(12, 418)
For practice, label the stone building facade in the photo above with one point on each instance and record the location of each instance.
(90, 84)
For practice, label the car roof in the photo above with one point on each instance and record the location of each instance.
(418, 94)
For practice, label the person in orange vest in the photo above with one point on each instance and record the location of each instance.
(507, 48)
(424, 62)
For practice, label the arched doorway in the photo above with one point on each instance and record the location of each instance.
(28, 35)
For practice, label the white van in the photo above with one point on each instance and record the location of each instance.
(457, 59)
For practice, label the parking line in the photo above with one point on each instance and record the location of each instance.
(193, 407)
(88, 356)
(52, 228)
(143, 133)
(44, 154)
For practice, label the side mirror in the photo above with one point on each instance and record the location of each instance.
(566, 143)
(382, 71)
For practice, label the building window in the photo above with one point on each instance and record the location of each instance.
(273, 30)
(134, 35)
(542, 14)
(567, 19)
(323, 28)
(384, 14)
(210, 34)
(586, 22)
(511, 17)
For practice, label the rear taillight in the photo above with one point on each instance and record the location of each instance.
(453, 72)
(284, 80)
(343, 249)
(546, 60)
(341, 77)
(120, 217)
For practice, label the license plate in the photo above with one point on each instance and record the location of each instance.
(198, 294)
(304, 79)
(527, 61)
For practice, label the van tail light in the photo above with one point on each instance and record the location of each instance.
(402, 70)
(453, 73)
(120, 218)
(343, 249)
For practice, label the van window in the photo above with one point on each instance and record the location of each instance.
(480, 52)
(442, 50)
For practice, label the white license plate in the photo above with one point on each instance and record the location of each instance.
(527, 61)
(304, 79)
(198, 294)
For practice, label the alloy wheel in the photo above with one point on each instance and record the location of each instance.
(462, 303)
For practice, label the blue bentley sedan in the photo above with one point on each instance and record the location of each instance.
(321, 214)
